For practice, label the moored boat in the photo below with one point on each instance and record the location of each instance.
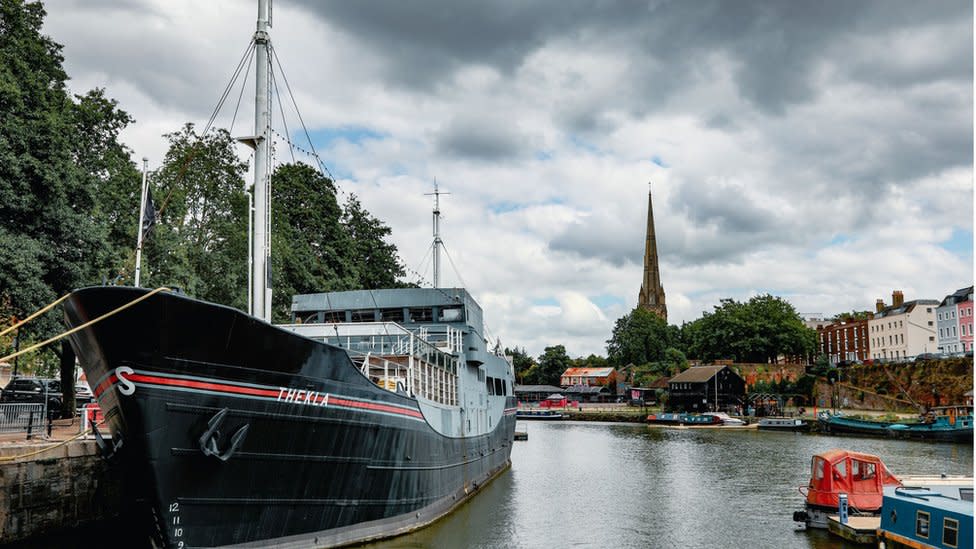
(726, 419)
(861, 476)
(375, 413)
(700, 419)
(938, 516)
(664, 419)
(782, 424)
(539, 415)
(841, 424)
(948, 423)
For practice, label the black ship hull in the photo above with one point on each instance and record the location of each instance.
(236, 432)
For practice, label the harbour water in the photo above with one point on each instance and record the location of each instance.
(575, 484)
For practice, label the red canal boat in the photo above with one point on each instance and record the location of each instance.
(861, 476)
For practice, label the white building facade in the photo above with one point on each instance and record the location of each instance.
(904, 329)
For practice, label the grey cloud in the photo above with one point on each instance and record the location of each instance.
(481, 138)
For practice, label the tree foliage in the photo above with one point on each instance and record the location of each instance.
(522, 363)
(552, 363)
(759, 330)
(56, 157)
(200, 242)
(640, 337)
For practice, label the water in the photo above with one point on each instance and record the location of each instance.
(575, 484)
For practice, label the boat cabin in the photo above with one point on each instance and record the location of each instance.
(861, 476)
(927, 516)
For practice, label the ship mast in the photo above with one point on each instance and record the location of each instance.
(261, 245)
(437, 233)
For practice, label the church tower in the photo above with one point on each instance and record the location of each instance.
(651, 292)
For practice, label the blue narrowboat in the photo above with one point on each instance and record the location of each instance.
(923, 517)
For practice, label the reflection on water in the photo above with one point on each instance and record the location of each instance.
(620, 485)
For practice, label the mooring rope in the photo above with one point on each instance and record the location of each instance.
(83, 326)
(38, 313)
(5, 459)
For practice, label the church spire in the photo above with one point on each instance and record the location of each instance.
(652, 293)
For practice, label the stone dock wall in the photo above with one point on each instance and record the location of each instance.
(65, 487)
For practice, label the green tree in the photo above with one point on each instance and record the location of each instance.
(53, 237)
(640, 337)
(309, 242)
(521, 362)
(552, 363)
(375, 260)
(200, 243)
(759, 330)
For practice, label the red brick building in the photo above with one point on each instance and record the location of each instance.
(589, 376)
(844, 341)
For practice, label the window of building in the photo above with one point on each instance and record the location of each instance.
(950, 532)
(922, 524)
(940, 333)
(928, 309)
(930, 323)
(367, 315)
(952, 314)
(931, 338)
(939, 316)
(953, 331)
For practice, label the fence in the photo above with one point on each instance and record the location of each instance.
(22, 417)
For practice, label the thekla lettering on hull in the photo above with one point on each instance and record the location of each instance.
(301, 396)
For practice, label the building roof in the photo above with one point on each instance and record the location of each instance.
(905, 307)
(585, 389)
(537, 389)
(960, 295)
(697, 374)
(588, 372)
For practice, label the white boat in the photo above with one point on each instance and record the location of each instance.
(726, 418)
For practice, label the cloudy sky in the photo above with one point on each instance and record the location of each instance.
(818, 151)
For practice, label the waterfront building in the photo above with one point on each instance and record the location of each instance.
(903, 329)
(591, 377)
(651, 295)
(844, 341)
(706, 388)
(954, 318)
(535, 393)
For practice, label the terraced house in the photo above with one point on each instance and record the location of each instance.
(954, 317)
(903, 329)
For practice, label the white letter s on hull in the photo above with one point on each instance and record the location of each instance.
(126, 387)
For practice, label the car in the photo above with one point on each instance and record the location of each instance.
(83, 394)
(32, 390)
(926, 356)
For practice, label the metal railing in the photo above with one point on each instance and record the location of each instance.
(22, 417)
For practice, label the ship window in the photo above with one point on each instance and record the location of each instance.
(423, 314)
(491, 385)
(481, 375)
(818, 468)
(332, 316)
(363, 316)
(966, 494)
(451, 314)
(950, 532)
(391, 315)
(498, 387)
(922, 524)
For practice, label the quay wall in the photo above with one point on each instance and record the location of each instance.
(64, 487)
